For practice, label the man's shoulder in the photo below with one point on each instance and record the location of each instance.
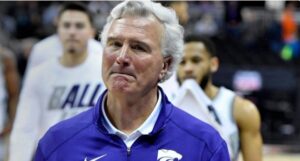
(51, 41)
(95, 47)
(66, 130)
(197, 129)
(246, 114)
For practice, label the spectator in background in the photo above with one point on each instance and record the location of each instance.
(233, 12)
(238, 117)
(210, 18)
(9, 93)
(207, 25)
(233, 18)
(288, 23)
(181, 9)
(60, 87)
(291, 48)
(133, 119)
(101, 9)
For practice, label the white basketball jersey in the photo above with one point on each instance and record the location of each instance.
(51, 93)
(170, 87)
(223, 104)
(218, 113)
(192, 99)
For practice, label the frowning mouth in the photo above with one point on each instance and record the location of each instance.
(72, 40)
(122, 74)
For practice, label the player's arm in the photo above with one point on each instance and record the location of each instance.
(248, 120)
(26, 126)
(12, 82)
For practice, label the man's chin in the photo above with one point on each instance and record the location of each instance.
(187, 78)
(119, 84)
(193, 78)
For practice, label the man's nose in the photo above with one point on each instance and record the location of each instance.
(123, 58)
(72, 30)
(188, 68)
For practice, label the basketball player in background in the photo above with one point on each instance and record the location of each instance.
(60, 87)
(170, 86)
(240, 119)
(52, 47)
(9, 94)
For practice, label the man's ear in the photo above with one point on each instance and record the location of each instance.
(214, 66)
(165, 66)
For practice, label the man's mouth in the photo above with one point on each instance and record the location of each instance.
(189, 77)
(123, 74)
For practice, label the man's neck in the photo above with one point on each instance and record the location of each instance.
(211, 90)
(127, 115)
(73, 59)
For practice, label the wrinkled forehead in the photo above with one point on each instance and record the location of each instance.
(141, 22)
(147, 27)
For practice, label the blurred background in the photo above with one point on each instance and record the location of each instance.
(257, 43)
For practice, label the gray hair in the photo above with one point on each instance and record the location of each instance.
(172, 41)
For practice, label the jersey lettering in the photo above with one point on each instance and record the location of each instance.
(55, 98)
(96, 91)
(79, 95)
(71, 97)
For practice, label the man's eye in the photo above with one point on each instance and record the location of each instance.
(138, 47)
(182, 62)
(196, 60)
(66, 25)
(115, 44)
(79, 25)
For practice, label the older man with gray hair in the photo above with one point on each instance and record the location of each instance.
(133, 119)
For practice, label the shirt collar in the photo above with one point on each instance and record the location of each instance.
(145, 129)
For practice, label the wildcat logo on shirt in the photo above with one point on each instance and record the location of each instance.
(76, 96)
(168, 155)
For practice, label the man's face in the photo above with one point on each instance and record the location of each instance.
(74, 30)
(132, 58)
(196, 64)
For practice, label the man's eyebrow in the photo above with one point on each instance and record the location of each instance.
(110, 38)
(144, 44)
(133, 40)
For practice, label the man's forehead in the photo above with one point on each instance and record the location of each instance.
(195, 46)
(137, 22)
(70, 15)
(135, 27)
